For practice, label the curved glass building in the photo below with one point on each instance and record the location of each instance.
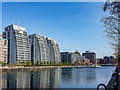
(39, 48)
(53, 50)
(18, 44)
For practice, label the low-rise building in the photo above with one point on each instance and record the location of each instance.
(107, 60)
(90, 55)
(72, 58)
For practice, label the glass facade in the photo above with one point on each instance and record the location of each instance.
(44, 49)
(54, 51)
(18, 44)
(39, 48)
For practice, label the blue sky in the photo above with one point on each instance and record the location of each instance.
(75, 26)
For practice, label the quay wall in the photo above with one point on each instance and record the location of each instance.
(33, 68)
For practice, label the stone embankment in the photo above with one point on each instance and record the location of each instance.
(32, 68)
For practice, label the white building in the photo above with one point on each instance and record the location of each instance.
(39, 48)
(54, 51)
(18, 44)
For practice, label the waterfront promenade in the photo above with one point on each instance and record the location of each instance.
(22, 68)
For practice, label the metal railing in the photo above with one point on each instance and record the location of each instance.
(116, 84)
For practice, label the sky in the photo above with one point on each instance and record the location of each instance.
(74, 25)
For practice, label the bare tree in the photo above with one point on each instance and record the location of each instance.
(112, 24)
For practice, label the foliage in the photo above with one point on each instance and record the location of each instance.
(41, 63)
(2, 63)
(24, 62)
(67, 63)
(30, 62)
(48, 63)
(17, 62)
(27, 62)
(37, 63)
(112, 24)
(55, 63)
(59, 62)
(118, 56)
(33, 63)
(10, 63)
(44, 62)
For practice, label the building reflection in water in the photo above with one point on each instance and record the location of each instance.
(0, 79)
(66, 74)
(56, 78)
(46, 78)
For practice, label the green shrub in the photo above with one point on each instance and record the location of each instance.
(30, 63)
(17, 62)
(67, 63)
(24, 62)
(55, 63)
(44, 62)
(2, 63)
(41, 63)
(48, 63)
(37, 63)
(10, 63)
(33, 63)
(59, 63)
(27, 62)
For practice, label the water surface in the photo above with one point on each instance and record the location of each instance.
(57, 78)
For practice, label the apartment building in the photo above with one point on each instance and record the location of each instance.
(39, 48)
(3, 50)
(54, 51)
(18, 44)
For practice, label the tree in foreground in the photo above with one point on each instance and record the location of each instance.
(112, 24)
